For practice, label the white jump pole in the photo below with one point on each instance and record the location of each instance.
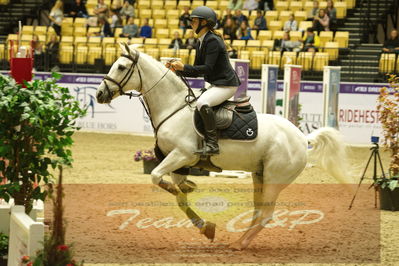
(331, 84)
(292, 85)
(269, 88)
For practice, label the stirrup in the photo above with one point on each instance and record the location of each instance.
(204, 152)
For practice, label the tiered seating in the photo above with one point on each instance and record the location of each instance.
(388, 62)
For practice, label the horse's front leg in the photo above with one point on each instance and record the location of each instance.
(185, 185)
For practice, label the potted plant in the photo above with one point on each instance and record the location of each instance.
(149, 159)
(36, 127)
(388, 107)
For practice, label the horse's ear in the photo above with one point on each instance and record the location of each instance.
(124, 47)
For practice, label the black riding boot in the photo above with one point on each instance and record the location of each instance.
(211, 141)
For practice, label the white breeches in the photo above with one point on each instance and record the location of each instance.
(216, 95)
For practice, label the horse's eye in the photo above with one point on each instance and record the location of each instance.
(121, 67)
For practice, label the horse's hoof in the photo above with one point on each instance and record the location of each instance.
(187, 186)
(236, 246)
(209, 230)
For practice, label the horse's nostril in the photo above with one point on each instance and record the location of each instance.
(99, 93)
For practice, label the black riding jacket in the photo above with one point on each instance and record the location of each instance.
(212, 61)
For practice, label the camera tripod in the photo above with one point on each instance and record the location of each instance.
(375, 155)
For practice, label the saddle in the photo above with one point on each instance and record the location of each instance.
(234, 120)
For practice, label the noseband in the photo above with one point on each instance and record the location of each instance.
(126, 78)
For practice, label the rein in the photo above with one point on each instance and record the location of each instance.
(189, 99)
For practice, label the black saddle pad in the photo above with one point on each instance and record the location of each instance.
(244, 125)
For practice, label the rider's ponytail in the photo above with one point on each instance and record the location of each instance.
(217, 34)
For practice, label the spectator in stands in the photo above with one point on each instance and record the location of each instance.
(322, 21)
(130, 30)
(285, 44)
(78, 10)
(127, 11)
(52, 49)
(191, 41)
(116, 21)
(332, 14)
(56, 16)
(265, 5)
(101, 9)
(250, 5)
(391, 45)
(145, 30)
(105, 28)
(235, 4)
(177, 42)
(184, 19)
(229, 30)
(314, 11)
(116, 6)
(291, 24)
(227, 16)
(244, 31)
(240, 17)
(37, 47)
(260, 21)
(311, 42)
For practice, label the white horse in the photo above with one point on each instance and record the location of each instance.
(276, 157)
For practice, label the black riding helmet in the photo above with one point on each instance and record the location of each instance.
(206, 13)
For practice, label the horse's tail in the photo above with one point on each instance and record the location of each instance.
(328, 151)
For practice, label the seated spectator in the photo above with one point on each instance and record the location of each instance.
(235, 4)
(52, 49)
(311, 42)
(145, 30)
(244, 31)
(260, 21)
(78, 9)
(250, 5)
(116, 21)
(127, 11)
(101, 9)
(177, 42)
(229, 30)
(184, 20)
(130, 30)
(322, 21)
(332, 14)
(56, 16)
(265, 5)
(105, 28)
(37, 47)
(231, 52)
(391, 45)
(285, 44)
(116, 6)
(314, 11)
(240, 17)
(291, 24)
(227, 16)
(191, 41)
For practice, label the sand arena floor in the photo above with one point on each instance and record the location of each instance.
(116, 217)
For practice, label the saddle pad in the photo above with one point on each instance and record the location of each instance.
(244, 126)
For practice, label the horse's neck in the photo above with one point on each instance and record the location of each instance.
(166, 97)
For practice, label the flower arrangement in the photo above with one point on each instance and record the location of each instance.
(388, 107)
(145, 155)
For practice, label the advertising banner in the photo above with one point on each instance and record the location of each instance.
(269, 88)
(331, 81)
(242, 69)
(292, 84)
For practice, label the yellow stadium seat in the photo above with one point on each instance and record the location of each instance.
(182, 4)
(238, 44)
(160, 23)
(197, 3)
(136, 41)
(295, 35)
(284, 16)
(150, 22)
(275, 25)
(223, 5)
(79, 40)
(303, 25)
(121, 40)
(192, 57)
(308, 6)
(93, 30)
(151, 42)
(40, 29)
(42, 38)
(67, 20)
(144, 4)
(27, 30)
(170, 4)
(300, 16)
(253, 45)
(66, 29)
(271, 15)
(320, 61)
(325, 36)
(109, 55)
(341, 9)
(66, 54)
(281, 5)
(172, 13)
(323, 4)
(268, 44)
(288, 58)
(163, 43)
(157, 4)
(278, 34)
(93, 54)
(342, 37)
(212, 4)
(172, 32)
(183, 54)
(118, 32)
(145, 13)
(243, 54)
(264, 35)
(81, 54)
(173, 24)
(79, 22)
(350, 3)
(80, 31)
(67, 41)
(166, 52)
(2, 52)
(305, 59)
(154, 52)
(108, 42)
(296, 6)
(162, 33)
(274, 58)
(94, 42)
(387, 63)
(158, 14)
(257, 59)
(332, 49)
